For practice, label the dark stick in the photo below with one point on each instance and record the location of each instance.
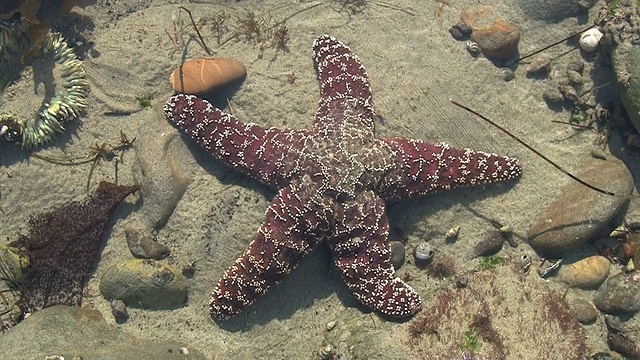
(204, 45)
(531, 149)
(554, 44)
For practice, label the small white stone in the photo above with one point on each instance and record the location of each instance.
(590, 39)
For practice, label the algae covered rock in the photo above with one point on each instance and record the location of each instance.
(144, 283)
(78, 333)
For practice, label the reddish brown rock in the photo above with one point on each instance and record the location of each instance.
(203, 75)
(499, 40)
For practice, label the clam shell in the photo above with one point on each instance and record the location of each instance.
(203, 75)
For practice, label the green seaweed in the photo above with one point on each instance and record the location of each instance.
(470, 339)
(490, 262)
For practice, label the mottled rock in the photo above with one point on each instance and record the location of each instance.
(144, 246)
(497, 38)
(620, 294)
(74, 332)
(587, 273)
(554, 10)
(497, 41)
(119, 311)
(397, 254)
(144, 283)
(579, 213)
(583, 310)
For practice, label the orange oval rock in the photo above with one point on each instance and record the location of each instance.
(202, 75)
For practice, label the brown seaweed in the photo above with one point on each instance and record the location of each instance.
(62, 247)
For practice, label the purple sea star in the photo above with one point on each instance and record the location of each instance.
(333, 181)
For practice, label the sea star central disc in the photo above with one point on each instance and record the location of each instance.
(333, 181)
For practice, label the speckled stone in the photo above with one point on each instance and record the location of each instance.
(145, 246)
(620, 294)
(587, 273)
(144, 283)
(579, 213)
(583, 310)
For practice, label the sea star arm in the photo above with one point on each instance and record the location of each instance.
(247, 147)
(293, 225)
(342, 79)
(363, 255)
(423, 168)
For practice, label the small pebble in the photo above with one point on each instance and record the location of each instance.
(460, 31)
(423, 253)
(553, 95)
(397, 254)
(569, 93)
(583, 310)
(456, 33)
(507, 74)
(574, 77)
(184, 351)
(145, 247)
(490, 244)
(538, 66)
(119, 310)
(576, 65)
(462, 282)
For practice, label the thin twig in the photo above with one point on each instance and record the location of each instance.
(204, 45)
(562, 170)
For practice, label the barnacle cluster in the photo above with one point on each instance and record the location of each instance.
(69, 102)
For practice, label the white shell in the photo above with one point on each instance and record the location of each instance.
(590, 39)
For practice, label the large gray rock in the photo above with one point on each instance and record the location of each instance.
(580, 213)
(623, 38)
(76, 332)
(555, 10)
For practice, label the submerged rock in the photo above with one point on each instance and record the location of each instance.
(579, 213)
(144, 283)
(73, 332)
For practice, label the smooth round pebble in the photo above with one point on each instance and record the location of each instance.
(144, 283)
(397, 254)
(578, 213)
(588, 273)
(620, 294)
(583, 310)
(203, 75)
